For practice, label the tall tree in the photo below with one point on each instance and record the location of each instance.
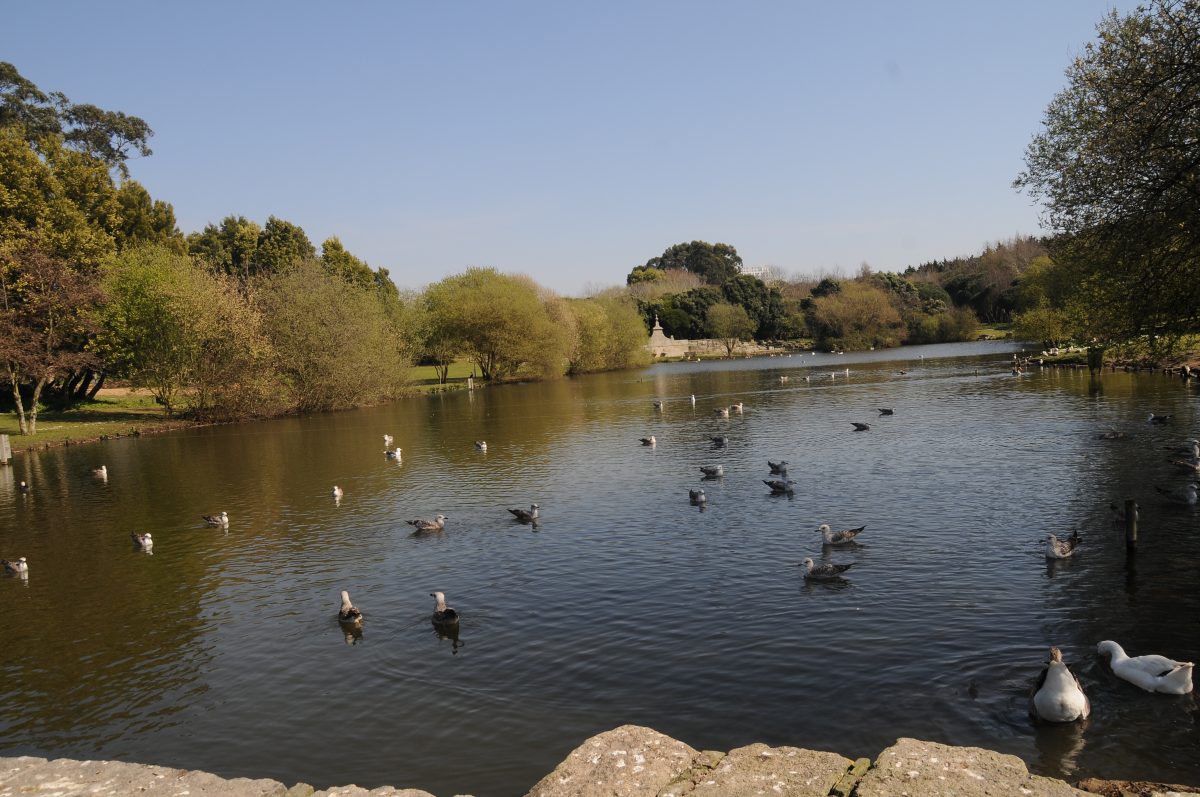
(714, 263)
(730, 324)
(228, 247)
(145, 220)
(281, 244)
(1118, 169)
(339, 262)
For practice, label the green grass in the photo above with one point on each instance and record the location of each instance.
(111, 415)
(1002, 329)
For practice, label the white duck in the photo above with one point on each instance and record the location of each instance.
(1058, 696)
(1152, 673)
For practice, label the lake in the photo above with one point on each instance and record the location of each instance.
(221, 651)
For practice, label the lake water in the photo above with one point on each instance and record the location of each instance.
(221, 651)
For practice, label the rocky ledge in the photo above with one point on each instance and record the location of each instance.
(632, 761)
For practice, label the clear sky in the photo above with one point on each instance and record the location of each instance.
(571, 141)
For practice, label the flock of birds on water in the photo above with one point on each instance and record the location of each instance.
(1057, 696)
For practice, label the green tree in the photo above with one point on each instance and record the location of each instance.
(714, 263)
(144, 220)
(730, 324)
(764, 305)
(280, 245)
(610, 335)
(858, 316)
(1118, 171)
(341, 263)
(228, 247)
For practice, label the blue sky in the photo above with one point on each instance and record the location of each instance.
(572, 141)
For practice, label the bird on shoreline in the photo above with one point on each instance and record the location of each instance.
(824, 572)
(838, 537)
(425, 526)
(712, 471)
(349, 613)
(1061, 549)
(1058, 695)
(143, 541)
(1153, 673)
(780, 486)
(696, 497)
(860, 427)
(1184, 496)
(221, 519)
(529, 515)
(648, 441)
(778, 468)
(17, 568)
(443, 615)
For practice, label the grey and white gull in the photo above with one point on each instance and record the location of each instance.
(843, 537)
(824, 572)
(423, 526)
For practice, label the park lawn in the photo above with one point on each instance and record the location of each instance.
(998, 330)
(423, 378)
(116, 412)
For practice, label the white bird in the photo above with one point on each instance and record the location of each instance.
(737, 407)
(443, 615)
(838, 537)
(1058, 695)
(693, 399)
(23, 487)
(722, 412)
(783, 379)
(437, 524)
(143, 541)
(1186, 495)
(481, 445)
(696, 497)
(712, 471)
(1152, 673)
(824, 572)
(349, 613)
(1061, 549)
(18, 567)
(338, 492)
(648, 441)
(101, 472)
(217, 520)
(396, 454)
(526, 515)
(387, 441)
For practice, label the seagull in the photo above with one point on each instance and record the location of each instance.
(696, 497)
(1158, 419)
(1186, 495)
(387, 441)
(861, 427)
(658, 405)
(101, 472)
(1186, 447)
(886, 411)
(1061, 549)
(217, 520)
(349, 613)
(1191, 464)
(737, 407)
(783, 379)
(648, 441)
(481, 445)
(719, 440)
(722, 412)
(838, 537)
(24, 488)
(337, 493)
(143, 541)
(1058, 695)
(778, 468)
(1152, 673)
(396, 454)
(424, 526)
(443, 615)
(824, 572)
(780, 486)
(529, 515)
(1111, 434)
(693, 399)
(712, 471)
(18, 567)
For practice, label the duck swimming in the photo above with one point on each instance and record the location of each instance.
(19, 567)
(1058, 696)
(886, 411)
(443, 615)
(23, 487)
(101, 472)
(348, 613)
(423, 526)
(143, 541)
(1158, 419)
(217, 520)
(860, 427)
(824, 572)
(1061, 549)
(526, 515)
(838, 537)
(1152, 673)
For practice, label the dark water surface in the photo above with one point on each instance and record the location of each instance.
(221, 651)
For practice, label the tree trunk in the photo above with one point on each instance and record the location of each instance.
(22, 424)
(443, 372)
(1095, 357)
(33, 405)
(99, 383)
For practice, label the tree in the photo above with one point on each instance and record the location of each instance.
(144, 220)
(764, 305)
(46, 308)
(108, 136)
(1118, 170)
(610, 335)
(731, 324)
(228, 247)
(857, 316)
(714, 263)
(340, 263)
(280, 244)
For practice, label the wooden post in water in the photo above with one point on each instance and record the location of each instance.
(5, 450)
(1131, 519)
(470, 383)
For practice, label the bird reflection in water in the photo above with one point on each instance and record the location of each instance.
(353, 632)
(1059, 745)
(449, 633)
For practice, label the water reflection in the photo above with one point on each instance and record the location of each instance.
(1059, 746)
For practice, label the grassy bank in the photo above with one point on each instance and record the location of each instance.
(117, 412)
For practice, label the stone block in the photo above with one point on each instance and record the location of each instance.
(784, 771)
(629, 761)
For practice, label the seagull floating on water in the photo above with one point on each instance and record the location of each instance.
(779, 468)
(780, 486)
(349, 613)
(1061, 549)
(18, 567)
(101, 472)
(719, 440)
(1058, 695)
(1111, 434)
(143, 541)
(712, 471)
(443, 615)
(337, 493)
(1186, 447)
(481, 445)
(217, 520)
(886, 411)
(824, 572)
(658, 405)
(396, 454)
(1152, 673)
(529, 515)
(387, 441)
(737, 407)
(1158, 419)
(722, 412)
(860, 427)
(23, 487)
(1186, 495)
(696, 497)
(648, 441)
(838, 537)
(422, 526)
